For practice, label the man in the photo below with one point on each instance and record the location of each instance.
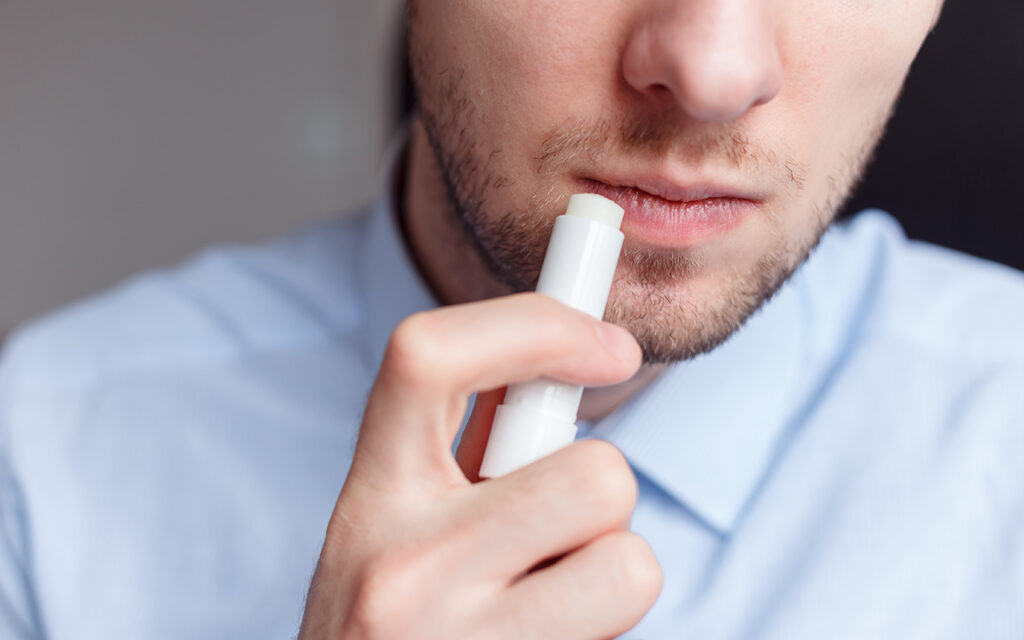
(813, 449)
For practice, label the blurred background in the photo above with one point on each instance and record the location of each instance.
(132, 133)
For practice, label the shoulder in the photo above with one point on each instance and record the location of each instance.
(922, 360)
(927, 297)
(225, 302)
(933, 345)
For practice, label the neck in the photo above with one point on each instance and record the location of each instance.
(456, 273)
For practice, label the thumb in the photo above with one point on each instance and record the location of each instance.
(478, 429)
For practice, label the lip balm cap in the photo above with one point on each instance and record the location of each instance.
(595, 207)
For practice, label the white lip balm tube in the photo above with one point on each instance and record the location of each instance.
(539, 417)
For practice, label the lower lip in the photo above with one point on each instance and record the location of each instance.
(669, 223)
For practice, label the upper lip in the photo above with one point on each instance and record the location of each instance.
(677, 190)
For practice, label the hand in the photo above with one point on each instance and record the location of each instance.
(416, 549)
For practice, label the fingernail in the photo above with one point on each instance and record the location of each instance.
(616, 340)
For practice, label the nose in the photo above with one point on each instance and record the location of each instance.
(715, 59)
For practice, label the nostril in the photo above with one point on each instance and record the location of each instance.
(706, 89)
(713, 67)
(661, 91)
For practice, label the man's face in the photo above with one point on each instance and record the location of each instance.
(730, 131)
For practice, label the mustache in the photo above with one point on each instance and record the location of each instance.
(652, 138)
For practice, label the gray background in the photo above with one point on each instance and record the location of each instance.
(133, 132)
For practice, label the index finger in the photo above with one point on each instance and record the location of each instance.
(436, 359)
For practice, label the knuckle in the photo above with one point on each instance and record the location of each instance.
(636, 569)
(413, 351)
(384, 582)
(559, 320)
(607, 476)
(541, 303)
(397, 581)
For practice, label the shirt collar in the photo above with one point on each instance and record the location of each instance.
(706, 431)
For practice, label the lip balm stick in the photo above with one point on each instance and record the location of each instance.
(539, 417)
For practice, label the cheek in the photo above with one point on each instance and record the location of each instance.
(514, 63)
(535, 63)
(845, 62)
(849, 48)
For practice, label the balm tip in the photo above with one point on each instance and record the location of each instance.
(595, 207)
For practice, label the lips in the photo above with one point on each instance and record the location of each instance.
(669, 215)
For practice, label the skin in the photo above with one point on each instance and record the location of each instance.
(517, 101)
(780, 98)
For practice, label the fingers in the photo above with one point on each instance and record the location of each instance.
(436, 359)
(484, 345)
(478, 428)
(600, 591)
(550, 507)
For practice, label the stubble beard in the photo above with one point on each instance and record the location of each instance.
(650, 297)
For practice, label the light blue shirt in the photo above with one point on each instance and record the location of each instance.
(849, 465)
